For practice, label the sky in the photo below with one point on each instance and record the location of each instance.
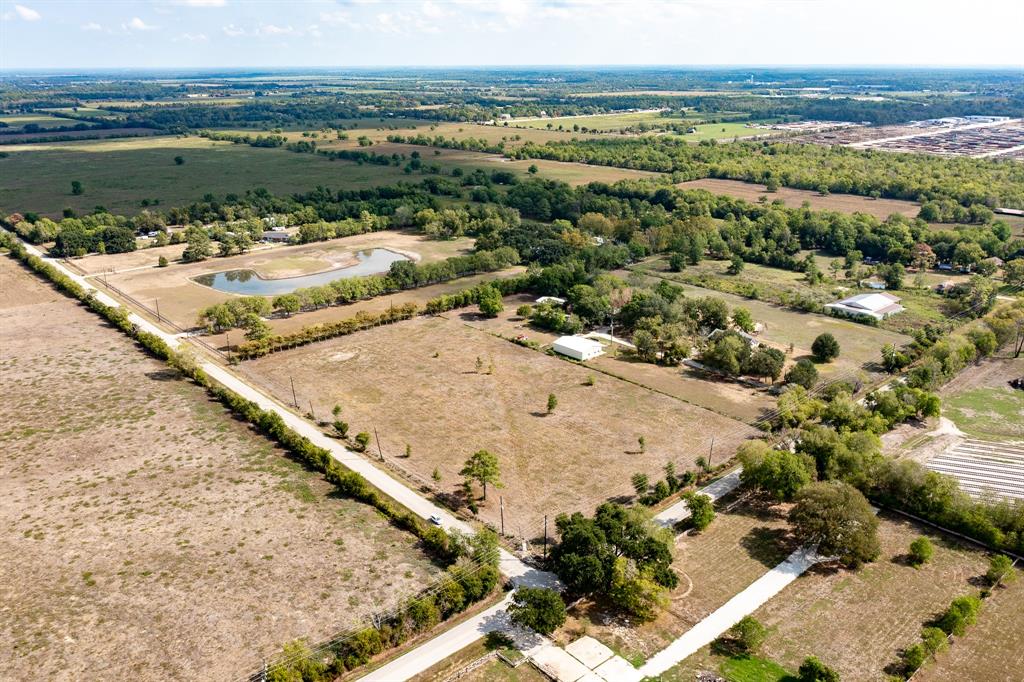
(153, 34)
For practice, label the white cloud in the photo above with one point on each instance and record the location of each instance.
(336, 18)
(201, 3)
(233, 31)
(91, 26)
(193, 37)
(273, 30)
(137, 24)
(27, 13)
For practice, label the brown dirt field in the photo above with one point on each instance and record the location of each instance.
(116, 262)
(417, 383)
(181, 298)
(992, 650)
(794, 198)
(149, 536)
(728, 398)
(857, 622)
(740, 546)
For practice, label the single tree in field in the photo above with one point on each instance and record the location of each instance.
(537, 608)
(552, 402)
(825, 347)
(436, 475)
(921, 551)
(702, 510)
(838, 519)
(77, 188)
(490, 301)
(482, 467)
(813, 670)
(803, 373)
(179, 160)
(640, 483)
(1000, 570)
(748, 634)
(642, 442)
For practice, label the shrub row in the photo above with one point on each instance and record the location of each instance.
(318, 332)
(471, 295)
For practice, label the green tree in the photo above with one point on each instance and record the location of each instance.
(742, 318)
(255, 327)
(934, 640)
(76, 187)
(640, 483)
(962, 611)
(702, 510)
(914, 657)
(735, 266)
(825, 347)
(490, 301)
(813, 670)
(179, 160)
(838, 519)
(538, 609)
(921, 551)
(749, 634)
(780, 473)
(162, 262)
(1000, 570)
(482, 467)
(197, 245)
(803, 373)
(289, 304)
(552, 402)
(532, 170)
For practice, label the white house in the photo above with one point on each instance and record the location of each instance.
(577, 347)
(877, 306)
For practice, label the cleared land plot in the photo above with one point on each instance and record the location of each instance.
(731, 399)
(147, 534)
(860, 344)
(181, 298)
(858, 621)
(17, 121)
(118, 174)
(982, 403)
(740, 546)
(600, 122)
(725, 131)
(794, 198)
(992, 649)
(418, 383)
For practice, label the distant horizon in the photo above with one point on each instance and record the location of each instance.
(188, 34)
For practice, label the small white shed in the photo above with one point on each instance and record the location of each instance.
(577, 347)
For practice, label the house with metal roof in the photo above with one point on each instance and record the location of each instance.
(876, 305)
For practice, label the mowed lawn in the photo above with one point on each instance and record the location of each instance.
(419, 383)
(147, 534)
(858, 621)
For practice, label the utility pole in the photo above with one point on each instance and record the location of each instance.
(311, 410)
(380, 453)
(227, 342)
(158, 318)
(711, 452)
(295, 400)
(501, 505)
(545, 537)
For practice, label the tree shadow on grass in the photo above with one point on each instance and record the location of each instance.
(769, 546)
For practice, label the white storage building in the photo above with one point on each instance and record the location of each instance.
(577, 347)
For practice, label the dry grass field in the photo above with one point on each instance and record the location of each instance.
(992, 650)
(740, 546)
(149, 536)
(858, 621)
(794, 198)
(731, 399)
(181, 298)
(417, 383)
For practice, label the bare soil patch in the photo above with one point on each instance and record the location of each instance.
(147, 534)
(418, 383)
(794, 198)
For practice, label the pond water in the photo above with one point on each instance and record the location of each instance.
(249, 283)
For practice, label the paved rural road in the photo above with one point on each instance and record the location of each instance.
(720, 488)
(448, 643)
(744, 603)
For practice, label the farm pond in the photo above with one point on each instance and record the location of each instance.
(249, 282)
